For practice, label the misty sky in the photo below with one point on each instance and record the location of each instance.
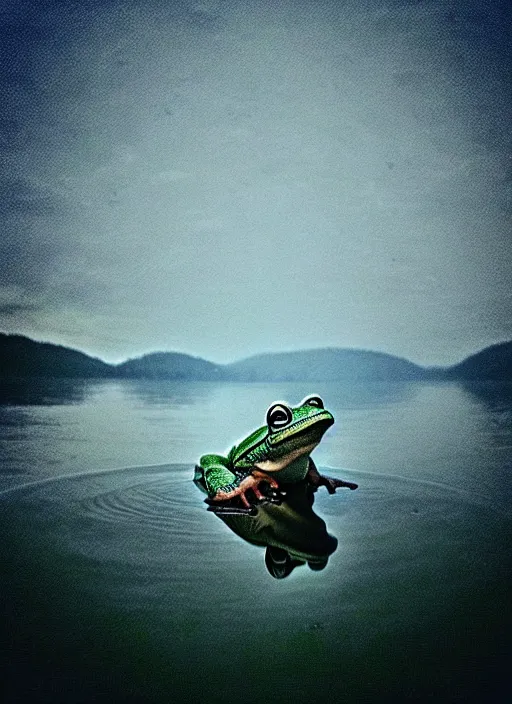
(226, 178)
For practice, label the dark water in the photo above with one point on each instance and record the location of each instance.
(118, 585)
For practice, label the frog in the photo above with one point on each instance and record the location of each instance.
(275, 454)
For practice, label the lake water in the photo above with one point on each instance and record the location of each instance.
(120, 586)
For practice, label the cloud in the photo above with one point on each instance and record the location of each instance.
(37, 255)
(11, 309)
(168, 164)
(20, 197)
(18, 306)
(13, 135)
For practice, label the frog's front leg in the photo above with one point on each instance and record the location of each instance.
(252, 482)
(217, 475)
(223, 484)
(317, 479)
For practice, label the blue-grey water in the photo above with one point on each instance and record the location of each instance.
(118, 585)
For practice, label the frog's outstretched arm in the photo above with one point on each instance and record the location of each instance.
(317, 479)
(222, 484)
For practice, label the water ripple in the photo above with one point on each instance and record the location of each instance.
(162, 504)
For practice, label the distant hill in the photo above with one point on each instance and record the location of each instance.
(169, 365)
(493, 362)
(325, 364)
(21, 357)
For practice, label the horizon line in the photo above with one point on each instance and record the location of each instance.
(250, 356)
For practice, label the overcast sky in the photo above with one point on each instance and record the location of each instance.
(224, 178)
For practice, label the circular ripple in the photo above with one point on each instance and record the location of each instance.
(146, 529)
(160, 498)
(163, 503)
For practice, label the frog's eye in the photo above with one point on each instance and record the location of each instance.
(315, 401)
(278, 416)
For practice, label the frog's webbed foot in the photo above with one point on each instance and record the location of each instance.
(330, 483)
(316, 479)
(333, 484)
(252, 482)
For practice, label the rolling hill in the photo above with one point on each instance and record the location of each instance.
(325, 364)
(21, 357)
(493, 362)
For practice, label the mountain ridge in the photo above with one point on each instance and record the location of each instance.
(22, 357)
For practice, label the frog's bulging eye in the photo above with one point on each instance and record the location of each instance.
(315, 401)
(278, 416)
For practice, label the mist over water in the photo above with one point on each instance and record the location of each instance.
(120, 586)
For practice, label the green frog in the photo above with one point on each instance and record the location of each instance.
(278, 452)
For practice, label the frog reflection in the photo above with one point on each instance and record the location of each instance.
(286, 524)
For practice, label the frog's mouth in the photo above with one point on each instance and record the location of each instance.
(314, 426)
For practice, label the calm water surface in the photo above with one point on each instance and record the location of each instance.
(120, 586)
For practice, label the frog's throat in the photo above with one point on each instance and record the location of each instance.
(282, 462)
